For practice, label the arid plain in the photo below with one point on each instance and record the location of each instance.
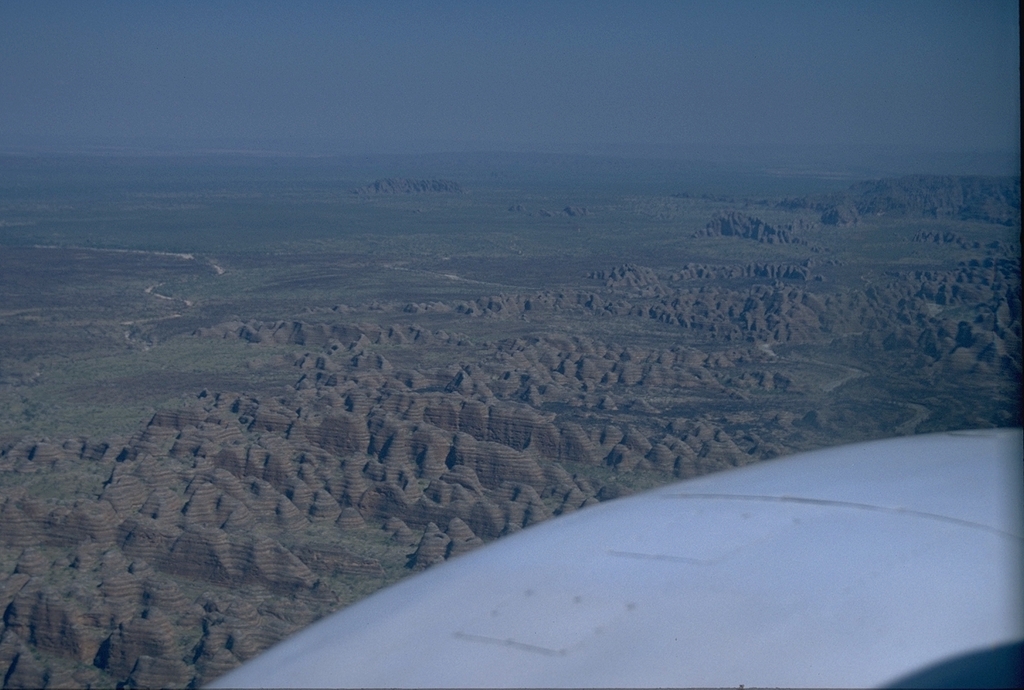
(238, 393)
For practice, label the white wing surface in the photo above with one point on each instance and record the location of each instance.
(848, 567)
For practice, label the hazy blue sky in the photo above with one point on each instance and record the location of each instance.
(388, 76)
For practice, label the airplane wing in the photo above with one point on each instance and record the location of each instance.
(855, 566)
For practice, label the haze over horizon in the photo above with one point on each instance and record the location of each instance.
(783, 81)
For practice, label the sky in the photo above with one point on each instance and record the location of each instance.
(511, 76)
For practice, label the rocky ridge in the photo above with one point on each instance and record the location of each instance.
(737, 224)
(404, 185)
(987, 199)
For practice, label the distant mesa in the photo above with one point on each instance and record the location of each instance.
(986, 199)
(736, 224)
(989, 199)
(570, 211)
(404, 185)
